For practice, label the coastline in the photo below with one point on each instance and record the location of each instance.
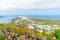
(6, 19)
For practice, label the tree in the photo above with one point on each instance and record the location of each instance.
(1, 37)
(56, 33)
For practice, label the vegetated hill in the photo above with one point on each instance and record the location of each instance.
(27, 20)
(36, 27)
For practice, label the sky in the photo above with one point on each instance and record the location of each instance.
(29, 7)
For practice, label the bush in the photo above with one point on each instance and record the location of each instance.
(1, 37)
(56, 33)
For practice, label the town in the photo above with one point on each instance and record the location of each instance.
(25, 28)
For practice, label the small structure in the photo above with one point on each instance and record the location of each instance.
(30, 26)
(43, 38)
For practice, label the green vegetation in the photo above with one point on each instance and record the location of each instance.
(23, 30)
(1, 37)
(56, 33)
(47, 21)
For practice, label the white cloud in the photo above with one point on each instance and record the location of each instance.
(29, 4)
(24, 4)
(49, 4)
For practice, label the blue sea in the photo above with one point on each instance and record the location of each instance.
(6, 19)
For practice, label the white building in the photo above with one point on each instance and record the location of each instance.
(30, 26)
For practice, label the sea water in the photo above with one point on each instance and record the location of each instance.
(6, 19)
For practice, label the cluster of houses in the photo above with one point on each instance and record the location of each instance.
(33, 25)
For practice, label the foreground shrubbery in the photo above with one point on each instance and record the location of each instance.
(24, 30)
(1, 37)
(56, 33)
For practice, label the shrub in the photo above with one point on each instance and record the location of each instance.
(1, 37)
(56, 33)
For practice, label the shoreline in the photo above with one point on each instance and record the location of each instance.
(7, 19)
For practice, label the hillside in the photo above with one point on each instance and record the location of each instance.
(25, 28)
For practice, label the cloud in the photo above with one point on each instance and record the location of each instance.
(29, 4)
(23, 4)
(49, 4)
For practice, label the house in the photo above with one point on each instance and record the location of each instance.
(30, 26)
